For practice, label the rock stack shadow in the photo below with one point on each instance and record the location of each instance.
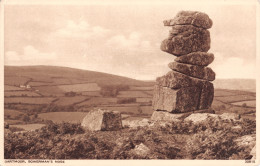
(187, 88)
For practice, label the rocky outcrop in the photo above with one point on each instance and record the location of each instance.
(187, 88)
(104, 120)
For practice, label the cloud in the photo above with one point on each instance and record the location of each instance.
(233, 67)
(29, 55)
(81, 30)
(133, 41)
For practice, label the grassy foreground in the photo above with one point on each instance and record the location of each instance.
(183, 140)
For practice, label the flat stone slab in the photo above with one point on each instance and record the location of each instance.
(186, 39)
(104, 120)
(176, 100)
(200, 72)
(195, 18)
(196, 58)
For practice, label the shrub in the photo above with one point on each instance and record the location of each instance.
(126, 100)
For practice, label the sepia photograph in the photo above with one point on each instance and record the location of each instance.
(129, 80)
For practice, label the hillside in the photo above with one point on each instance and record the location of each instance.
(51, 75)
(236, 84)
(36, 93)
(16, 75)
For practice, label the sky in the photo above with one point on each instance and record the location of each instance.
(124, 39)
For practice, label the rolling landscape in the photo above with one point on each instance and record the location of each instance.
(34, 95)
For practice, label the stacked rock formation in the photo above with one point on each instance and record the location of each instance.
(188, 87)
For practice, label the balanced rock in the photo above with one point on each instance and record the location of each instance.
(201, 72)
(196, 58)
(195, 18)
(186, 39)
(187, 88)
(104, 120)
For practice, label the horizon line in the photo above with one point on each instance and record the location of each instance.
(112, 73)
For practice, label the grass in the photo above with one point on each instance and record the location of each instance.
(11, 88)
(58, 117)
(79, 87)
(36, 83)
(20, 93)
(98, 101)
(143, 100)
(65, 101)
(248, 103)
(29, 127)
(11, 79)
(12, 113)
(138, 94)
(93, 93)
(236, 98)
(141, 88)
(29, 100)
(50, 90)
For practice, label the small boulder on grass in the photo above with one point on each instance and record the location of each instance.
(197, 118)
(104, 120)
(141, 151)
(230, 116)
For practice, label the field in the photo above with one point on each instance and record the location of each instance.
(20, 93)
(15, 80)
(29, 100)
(64, 101)
(138, 94)
(58, 117)
(235, 98)
(12, 113)
(11, 88)
(248, 103)
(93, 94)
(79, 87)
(98, 101)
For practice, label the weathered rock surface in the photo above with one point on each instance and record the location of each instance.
(196, 58)
(177, 101)
(166, 116)
(230, 116)
(247, 141)
(104, 120)
(176, 80)
(206, 95)
(170, 117)
(136, 123)
(141, 150)
(190, 39)
(197, 118)
(195, 18)
(166, 96)
(201, 72)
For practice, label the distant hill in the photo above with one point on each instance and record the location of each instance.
(236, 84)
(16, 75)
